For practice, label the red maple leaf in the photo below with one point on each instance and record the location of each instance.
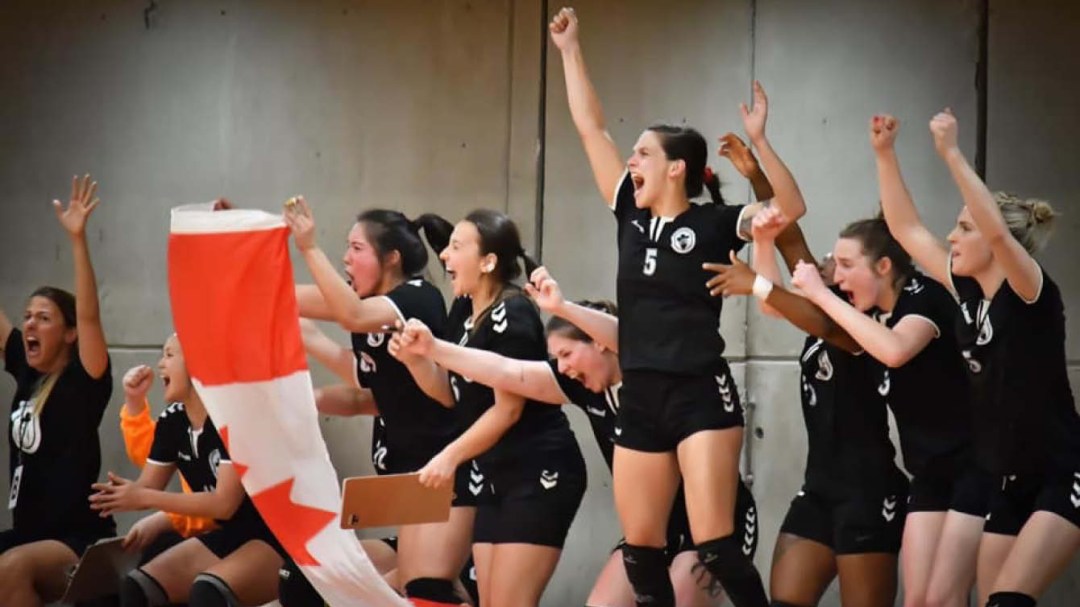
(293, 524)
(241, 469)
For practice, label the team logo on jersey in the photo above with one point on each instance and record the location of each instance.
(914, 286)
(498, 318)
(724, 386)
(375, 339)
(883, 387)
(637, 225)
(367, 363)
(416, 282)
(26, 427)
(683, 240)
(974, 365)
(378, 458)
(548, 479)
(750, 531)
(825, 368)
(1075, 497)
(595, 411)
(214, 459)
(888, 508)
(986, 332)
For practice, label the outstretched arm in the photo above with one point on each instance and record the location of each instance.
(603, 328)
(529, 378)
(412, 346)
(93, 353)
(588, 115)
(330, 354)
(345, 400)
(900, 213)
(1021, 270)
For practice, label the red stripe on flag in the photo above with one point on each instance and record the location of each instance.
(234, 305)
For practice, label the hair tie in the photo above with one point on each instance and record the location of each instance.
(708, 176)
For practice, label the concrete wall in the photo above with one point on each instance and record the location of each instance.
(424, 106)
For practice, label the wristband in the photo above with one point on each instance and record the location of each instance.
(762, 287)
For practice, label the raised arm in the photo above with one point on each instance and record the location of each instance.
(481, 436)
(337, 358)
(734, 149)
(351, 312)
(135, 424)
(786, 196)
(410, 345)
(892, 347)
(532, 379)
(5, 331)
(899, 209)
(93, 353)
(601, 327)
(1021, 270)
(607, 164)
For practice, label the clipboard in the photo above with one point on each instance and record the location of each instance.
(100, 570)
(391, 500)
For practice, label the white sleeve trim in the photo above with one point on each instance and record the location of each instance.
(394, 306)
(157, 463)
(614, 202)
(952, 285)
(738, 223)
(937, 330)
(1038, 292)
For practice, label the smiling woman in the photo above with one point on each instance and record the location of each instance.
(63, 382)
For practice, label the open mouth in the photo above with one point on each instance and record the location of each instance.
(164, 379)
(850, 297)
(638, 182)
(33, 346)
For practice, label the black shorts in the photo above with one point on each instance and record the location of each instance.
(966, 491)
(232, 534)
(77, 540)
(532, 500)
(659, 410)
(1018, 496)
(852, 525)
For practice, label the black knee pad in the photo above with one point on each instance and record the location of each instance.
(731, 569)
(647, 570)
(776, 603)
(433, 590)
(1010, 599)
(140, 590)
(208, 590)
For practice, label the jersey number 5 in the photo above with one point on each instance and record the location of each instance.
(650, 262)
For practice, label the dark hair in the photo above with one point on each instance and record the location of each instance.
(877, 242)
(392, 231)
(63, 300)
(686, 144)
(568, 329)
(499, 236)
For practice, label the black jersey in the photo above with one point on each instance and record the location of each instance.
(54, 456)
(668, 321)
(512, 328)
(929, 395)
(1025, 416)
(847, 425)
(195, 453)
(410, 415)
(602, 408)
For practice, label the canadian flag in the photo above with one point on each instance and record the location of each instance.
(235, 312)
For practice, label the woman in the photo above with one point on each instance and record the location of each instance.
(63, 377)
(235, 564)
(847, 519)
(384, 262)
(585, 372)
(531, 464)
(679, 411)
(1011, 331)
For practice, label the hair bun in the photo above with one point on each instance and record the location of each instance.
(1042, 212)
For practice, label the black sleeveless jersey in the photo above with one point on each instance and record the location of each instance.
(1025, 415)
(929, 395)
(512, 328)
(668, 321)
(409, 414)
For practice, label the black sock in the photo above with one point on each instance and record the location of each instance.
(1010, 599)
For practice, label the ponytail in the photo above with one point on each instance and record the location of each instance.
(712, 183)
(436, 231)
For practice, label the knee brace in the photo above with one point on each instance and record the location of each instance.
(727, 566)
(1010, 599)
(647, 570)
(140, 590)
(432, 592)
(208, 590)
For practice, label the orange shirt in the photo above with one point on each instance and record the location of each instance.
(138, 431)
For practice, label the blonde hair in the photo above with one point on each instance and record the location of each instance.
(43, 391)
(1030, 220)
